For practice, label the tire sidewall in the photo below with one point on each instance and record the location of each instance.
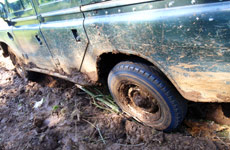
(116, 77)
(21, 71)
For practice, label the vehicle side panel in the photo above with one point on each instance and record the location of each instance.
(27, 35)
(189, 43)
(62, 27)
(5, 29)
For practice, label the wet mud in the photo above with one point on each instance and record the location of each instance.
(66, 119)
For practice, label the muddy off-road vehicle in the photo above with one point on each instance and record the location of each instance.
(154, 54)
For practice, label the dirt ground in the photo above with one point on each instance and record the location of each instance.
(67, 119)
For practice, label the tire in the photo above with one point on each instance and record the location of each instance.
(19, 69)
(21, 72)
(144, 94)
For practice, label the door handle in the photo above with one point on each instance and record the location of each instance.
(38, 39)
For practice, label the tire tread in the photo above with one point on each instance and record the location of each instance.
(178, 104)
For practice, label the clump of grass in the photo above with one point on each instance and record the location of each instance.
(55, 107)
(106, 100)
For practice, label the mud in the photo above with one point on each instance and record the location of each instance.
(201, 86)
(67, 119)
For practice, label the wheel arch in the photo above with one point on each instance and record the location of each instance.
(5, 49)
(107, 61)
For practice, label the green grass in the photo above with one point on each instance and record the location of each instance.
(55, 107)
(101, 100)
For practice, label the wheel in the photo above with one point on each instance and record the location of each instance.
(19, 69)
(144, 94)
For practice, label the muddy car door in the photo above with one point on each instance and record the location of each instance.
(62, 27)
(27, 35)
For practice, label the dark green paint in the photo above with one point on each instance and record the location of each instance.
(199, 36)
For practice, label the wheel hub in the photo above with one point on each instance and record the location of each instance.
(142, 100)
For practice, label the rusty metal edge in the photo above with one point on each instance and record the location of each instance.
(59, 76)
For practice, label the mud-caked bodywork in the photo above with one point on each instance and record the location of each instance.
(187, 40)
